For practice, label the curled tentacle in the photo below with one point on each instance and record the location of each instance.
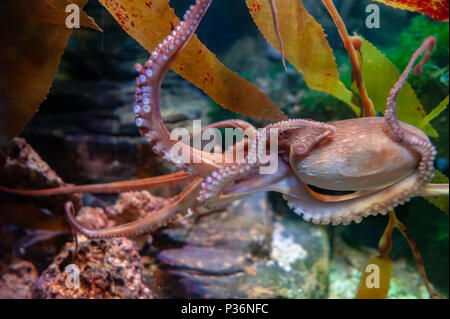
(231, 123)
(239, 124)
(294, 124)
(431, 42)
(147, 107)
(407, 138)
(70, 210)
(155, 220)
(316, 132)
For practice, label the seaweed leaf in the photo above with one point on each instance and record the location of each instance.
(148, 22)
(434, 113)
(305, 45)
(48, 11)
(33, 37)
(435, 9)
(376, 278)
(380, 75)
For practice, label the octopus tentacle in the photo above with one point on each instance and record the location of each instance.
(431, 43)
(147, 107)
(407, 138)
(115, 187)
(255, 183)
(243, 125)
(148, 224)
(434, 190)
(218, 180)
(308, 140)
(344, 212)
(299, 123)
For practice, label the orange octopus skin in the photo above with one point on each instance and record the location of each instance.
(360, 155)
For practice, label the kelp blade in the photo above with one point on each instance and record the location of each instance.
(434, 113)
(376, 278)
(435, 9)
(149, 22)
(305, 45)
(32, 43)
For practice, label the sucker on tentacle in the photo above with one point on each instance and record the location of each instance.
(148, 119)
(218, 180)
(147, 97)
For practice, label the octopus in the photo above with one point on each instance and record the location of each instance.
(367, 165)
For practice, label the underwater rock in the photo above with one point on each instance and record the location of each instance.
(25, 169)
(246, 251)
(17, 275)
(131, 206)
(107, 269)
(17, 283)
(128, 207)
(40, 247)
(93, 217)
